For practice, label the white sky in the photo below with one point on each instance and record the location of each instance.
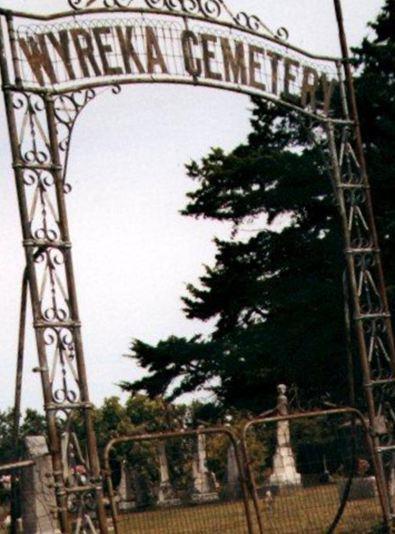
(133, 251)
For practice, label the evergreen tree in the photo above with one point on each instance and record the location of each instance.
(277, 295)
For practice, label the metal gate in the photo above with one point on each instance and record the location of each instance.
(313, 473)
(190, 481)
(46, 84)
(305, 473)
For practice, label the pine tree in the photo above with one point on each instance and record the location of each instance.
(277, 296)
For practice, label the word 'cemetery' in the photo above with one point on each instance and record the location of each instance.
(134, 51)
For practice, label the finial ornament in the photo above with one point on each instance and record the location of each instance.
(282, 400)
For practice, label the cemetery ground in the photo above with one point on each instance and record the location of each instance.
(309, 510)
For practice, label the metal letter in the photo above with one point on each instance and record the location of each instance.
(192, 65)
(85, 52)
(328, 88)
(127, 49)
(104, 49)
(236, 61)
(208, 55)
(36, 53)
(290, 77)
(274, 60)
(154, 53)
(255, 64)
(62, 47)
(309, 87)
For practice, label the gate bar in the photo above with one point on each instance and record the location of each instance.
(177, 434)
(381, 487)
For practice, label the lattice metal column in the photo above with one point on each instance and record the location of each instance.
(371, 311)
(33, 120)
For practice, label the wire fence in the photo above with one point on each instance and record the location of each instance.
(306, 473)
(312, 474)
(186, 482)
(11, 475)
(284, 475)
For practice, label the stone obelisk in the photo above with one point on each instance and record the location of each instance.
(166, 494)
(284, 465)
(204, 489)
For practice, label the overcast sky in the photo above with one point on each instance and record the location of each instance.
(133, 251)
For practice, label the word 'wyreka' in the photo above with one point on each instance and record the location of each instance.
(65, 55)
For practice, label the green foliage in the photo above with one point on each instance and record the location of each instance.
(276, 294)
(32, 423)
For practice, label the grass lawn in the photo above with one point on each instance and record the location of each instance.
(300, 511)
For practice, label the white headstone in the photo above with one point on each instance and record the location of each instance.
(284, 465)
(126, 494)
(38, 502)
(166, 494)
(204, 485)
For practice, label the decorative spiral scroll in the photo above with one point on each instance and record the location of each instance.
(83, 4)
(82, 504)
(33, 143)
(251, 22)
(211, 9)
(60, 344)
(254, 23)
(282, 34)
(208, 9)
(117, 3)
(67, 109)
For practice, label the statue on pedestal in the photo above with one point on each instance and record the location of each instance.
(284, 466)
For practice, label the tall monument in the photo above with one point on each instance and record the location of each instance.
(166, 494)
(204, 487)
(284, 465)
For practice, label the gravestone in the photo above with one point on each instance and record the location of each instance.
(284, 465)
(38, 502)
(126, 493)
(166, 494)
(233, 487)
(142, 487)
(204, 485)
(361, 488)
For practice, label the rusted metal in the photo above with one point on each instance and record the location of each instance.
(51, 112)
(20, 359)
(355, 414)
(45, 311)
(18, 396)
(5, 468)
(372, 321)
(240, 25)
(93, 460)
(89, 59)
(176, 434)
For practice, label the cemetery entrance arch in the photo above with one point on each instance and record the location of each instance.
(51, 67)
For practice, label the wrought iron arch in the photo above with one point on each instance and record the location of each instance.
(44, 96)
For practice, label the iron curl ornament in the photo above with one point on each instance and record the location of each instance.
(207, 8)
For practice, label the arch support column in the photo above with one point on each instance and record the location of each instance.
(34, 122)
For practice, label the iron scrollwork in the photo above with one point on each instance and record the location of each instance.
(67, 109)
(370, 306)
(40, 165)
(208, 9)
(32, 137)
